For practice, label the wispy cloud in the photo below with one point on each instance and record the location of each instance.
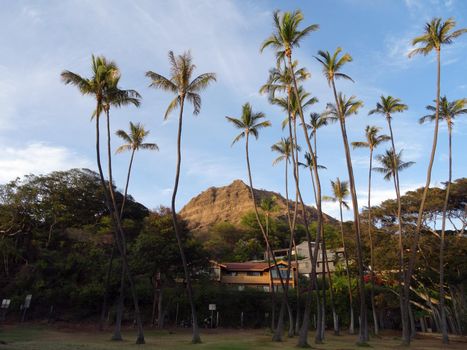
(37, 158)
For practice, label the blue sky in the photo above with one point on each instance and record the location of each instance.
(45, 125)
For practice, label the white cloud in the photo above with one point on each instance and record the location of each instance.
(37, 158)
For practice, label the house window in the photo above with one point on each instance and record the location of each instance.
(275, 273)
(254, 273)
(231, 273)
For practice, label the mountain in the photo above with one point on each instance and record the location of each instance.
(230, 203)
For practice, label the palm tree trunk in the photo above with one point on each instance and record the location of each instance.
(372, 262)
(106, 289)
(118, 231)
(363, 332)
(194, 318)
(127, 182)
(120, 305)
(403, 304)
(123, 252)
(442, 306)
(349, 282)
(303, 336)
(271, 281)
(335, 317)
(413, 252)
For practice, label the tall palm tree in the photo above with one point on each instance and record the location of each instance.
(386, 107)
(114, 96)
(285, 37)
(343, 108)
(390, 164)
(181, 84)
(436, 34)
(447, 111)
(103, 87)
(134, 141)
(280, 79)
(340, 191)
(373, 140)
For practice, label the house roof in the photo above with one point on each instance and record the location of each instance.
(249, 266)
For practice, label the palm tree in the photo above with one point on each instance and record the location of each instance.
(343, 108)
(250, 123)
(280, 79)
(134, 142)
(103, 87)
(386, 107)
(181, 84)
(373, 140)
(390, 164)
(287, 36)
(447, 111)
(340, 191)
(436, 34)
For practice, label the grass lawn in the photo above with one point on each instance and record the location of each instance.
(33, 337)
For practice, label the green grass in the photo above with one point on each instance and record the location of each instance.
(53, 338)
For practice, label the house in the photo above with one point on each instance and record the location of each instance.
(302, 254)
(254, 274)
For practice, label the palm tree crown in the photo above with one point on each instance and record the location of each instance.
(292, 104)
(340, 191)
(388, 105)
(286, 33)
(250, 122)
(447, 110)
(332, 64)
(284, 149)
(436, 33)
(280, 78)
(135, 139)
(348, 107)
(391, 162)
(373, 140)
(180, 82)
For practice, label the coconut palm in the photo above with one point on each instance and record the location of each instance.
(181, 84)
(340, 191)
(373, 140)
(436, 34)
(332, 66)
(447, 111)
(102, 86)
(280, 79)
(386, 107)
(390, 164)
(343, 108)
(285, 37)
(134, 141)
(250, 123)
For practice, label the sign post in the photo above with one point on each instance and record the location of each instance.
(212, 308)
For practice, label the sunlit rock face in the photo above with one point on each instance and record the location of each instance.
(230, 203)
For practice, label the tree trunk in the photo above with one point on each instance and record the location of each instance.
(194, 318)
(413, 251)
(335, 317)
(372, 262)
(363, 331)
(127, 182)
(402, 302)
(442, 306)
(122, 248)
(106, 289)
(120, 304)
(118, 231)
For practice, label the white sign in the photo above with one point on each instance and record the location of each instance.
(27, 301)
(212, 307)
(6, 303)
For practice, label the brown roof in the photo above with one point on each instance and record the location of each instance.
(249, 266)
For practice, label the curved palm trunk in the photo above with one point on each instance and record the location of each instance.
(349, 282)
(444, 326)
(403, 305)
(127, 183)
(118, 231)
(363, 331)
(413, 252)
(271, 282)
(303, 336)
(194, 317)
(372, 262)
(106, 288)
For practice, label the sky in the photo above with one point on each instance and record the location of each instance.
(46, 126)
